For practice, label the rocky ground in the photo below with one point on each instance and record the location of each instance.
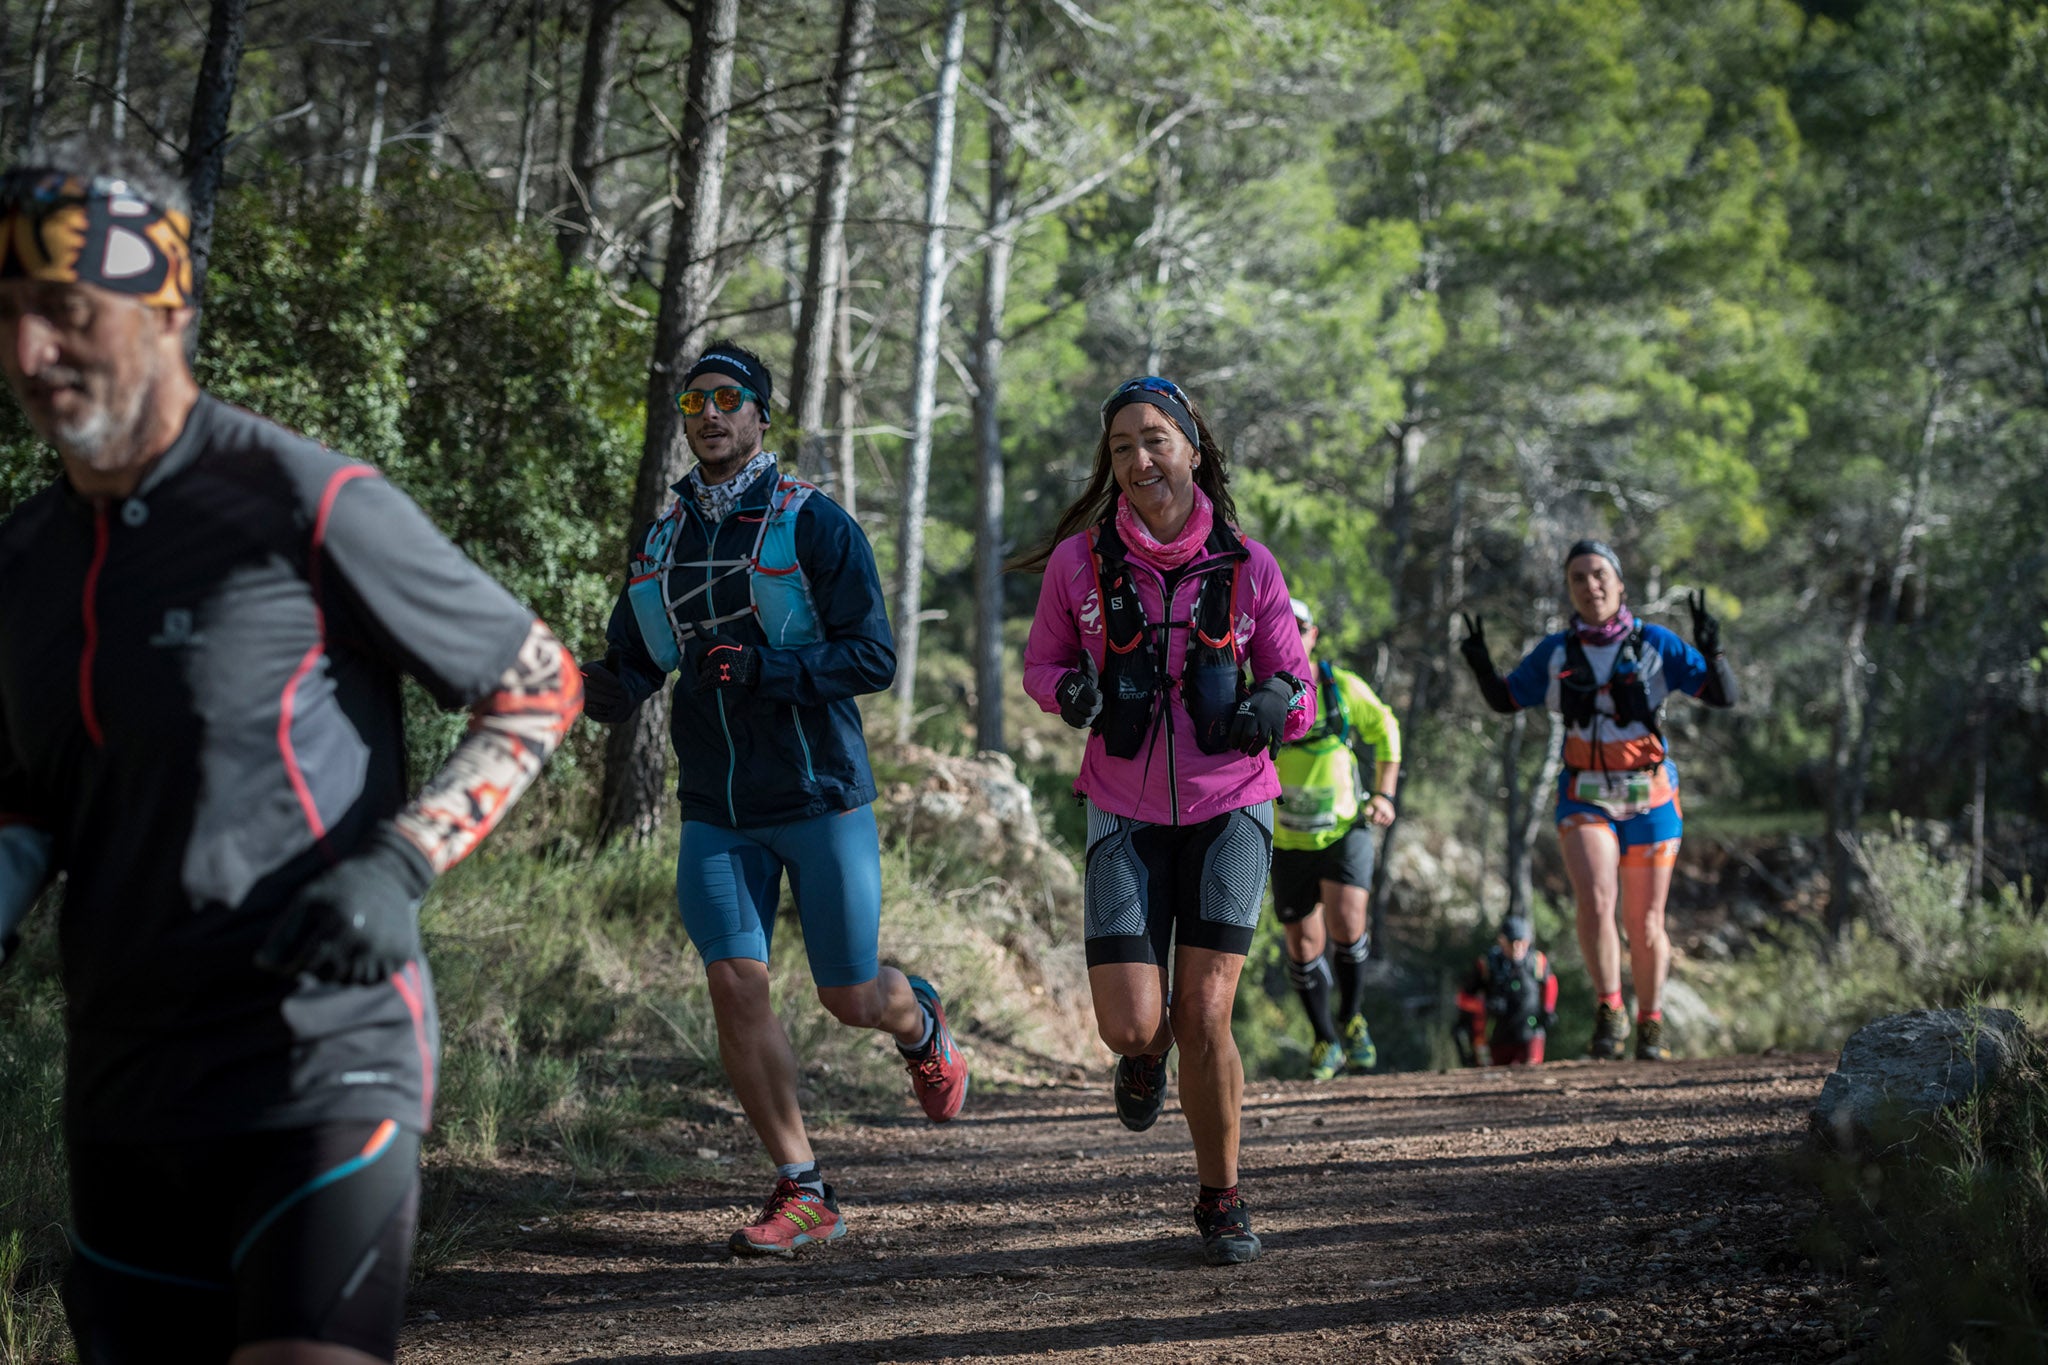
(1571, 1213)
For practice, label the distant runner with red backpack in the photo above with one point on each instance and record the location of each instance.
(1323, 853)
(1166, 634)
(1508, 1004)
(1618, 816)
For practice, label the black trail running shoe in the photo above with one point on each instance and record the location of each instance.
(1226, 1229)
(1140, 1090)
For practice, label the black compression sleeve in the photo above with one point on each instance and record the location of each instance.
(1720, 690)
(1494, 688)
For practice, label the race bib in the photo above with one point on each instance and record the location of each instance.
(1620, 795)
(1308, 810)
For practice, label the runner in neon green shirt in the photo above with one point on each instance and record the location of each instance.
(1323, 852)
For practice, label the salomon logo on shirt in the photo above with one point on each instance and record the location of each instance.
(177, 632)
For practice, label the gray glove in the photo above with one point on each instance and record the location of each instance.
(357, 921)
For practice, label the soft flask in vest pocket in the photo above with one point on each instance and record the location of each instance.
(1129, 703)
(1211, 693)
(650, 613)
(647, 592)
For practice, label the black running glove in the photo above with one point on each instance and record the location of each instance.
(1706, 631)
(1260, 716)
(1492, 686)
(357, 921)
(727, 663)
(1080, 694)
(605, 699)
(1473, 646)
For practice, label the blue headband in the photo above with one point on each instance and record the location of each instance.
(1163, 394)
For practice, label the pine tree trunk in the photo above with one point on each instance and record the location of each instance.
(846, 486)
(39, 70)
(817, 312)
(1447, 584)
(586, 144)
(924, 384)
(380, 90)
(1515, 866)
(636, 756)
(434, 73)
(124, 41)
(989, 541)
(529, 117)
(1863, 680)
(206, 139)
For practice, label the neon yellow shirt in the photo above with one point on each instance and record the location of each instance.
(1322, 777)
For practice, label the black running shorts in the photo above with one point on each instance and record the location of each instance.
(1151, 886)
(182, 1252)
(1299, 873)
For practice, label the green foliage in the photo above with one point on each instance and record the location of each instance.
(32, 1190)
(1921, 947)
(412, 334)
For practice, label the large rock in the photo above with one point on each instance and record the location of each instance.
(979, 805)
(1899, 1072)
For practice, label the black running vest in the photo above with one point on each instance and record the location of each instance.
(1514, 994)
(1135, 680)
(1578, 688)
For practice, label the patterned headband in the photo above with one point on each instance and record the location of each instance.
(96, 230)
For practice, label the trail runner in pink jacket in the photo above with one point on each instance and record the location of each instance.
(1168, 635)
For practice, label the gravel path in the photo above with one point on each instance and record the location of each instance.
(1575, 1212)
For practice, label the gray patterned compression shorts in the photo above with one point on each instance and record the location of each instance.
(1151, 886)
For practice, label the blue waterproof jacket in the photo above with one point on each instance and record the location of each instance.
(792, 746)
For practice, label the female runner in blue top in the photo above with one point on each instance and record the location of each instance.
(1618, 814)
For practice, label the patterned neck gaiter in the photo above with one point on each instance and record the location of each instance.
(716, 500)
(1184, 547)
(1612, 631)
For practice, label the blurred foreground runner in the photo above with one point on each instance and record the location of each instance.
(201, 637)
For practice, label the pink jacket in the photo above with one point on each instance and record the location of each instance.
(1070, 618)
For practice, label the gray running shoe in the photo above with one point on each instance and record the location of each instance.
(1610, 1032)
(1650, 1041)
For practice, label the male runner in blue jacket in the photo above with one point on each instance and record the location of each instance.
(761, 593)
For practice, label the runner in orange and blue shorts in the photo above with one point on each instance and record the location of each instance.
(1618, 815)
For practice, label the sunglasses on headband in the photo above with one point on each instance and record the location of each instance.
(726, 398)
(1150, 383)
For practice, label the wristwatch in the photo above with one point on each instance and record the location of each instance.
(1392, 804)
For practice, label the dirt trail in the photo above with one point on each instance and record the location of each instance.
(1571, 1213)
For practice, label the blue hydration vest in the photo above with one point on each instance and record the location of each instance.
(779, 593)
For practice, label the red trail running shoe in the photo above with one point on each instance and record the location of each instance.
(792, 1217)
(939, 1073)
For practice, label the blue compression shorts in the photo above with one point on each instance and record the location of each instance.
(729, 883)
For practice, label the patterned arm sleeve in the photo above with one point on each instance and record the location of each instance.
(511, 733)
